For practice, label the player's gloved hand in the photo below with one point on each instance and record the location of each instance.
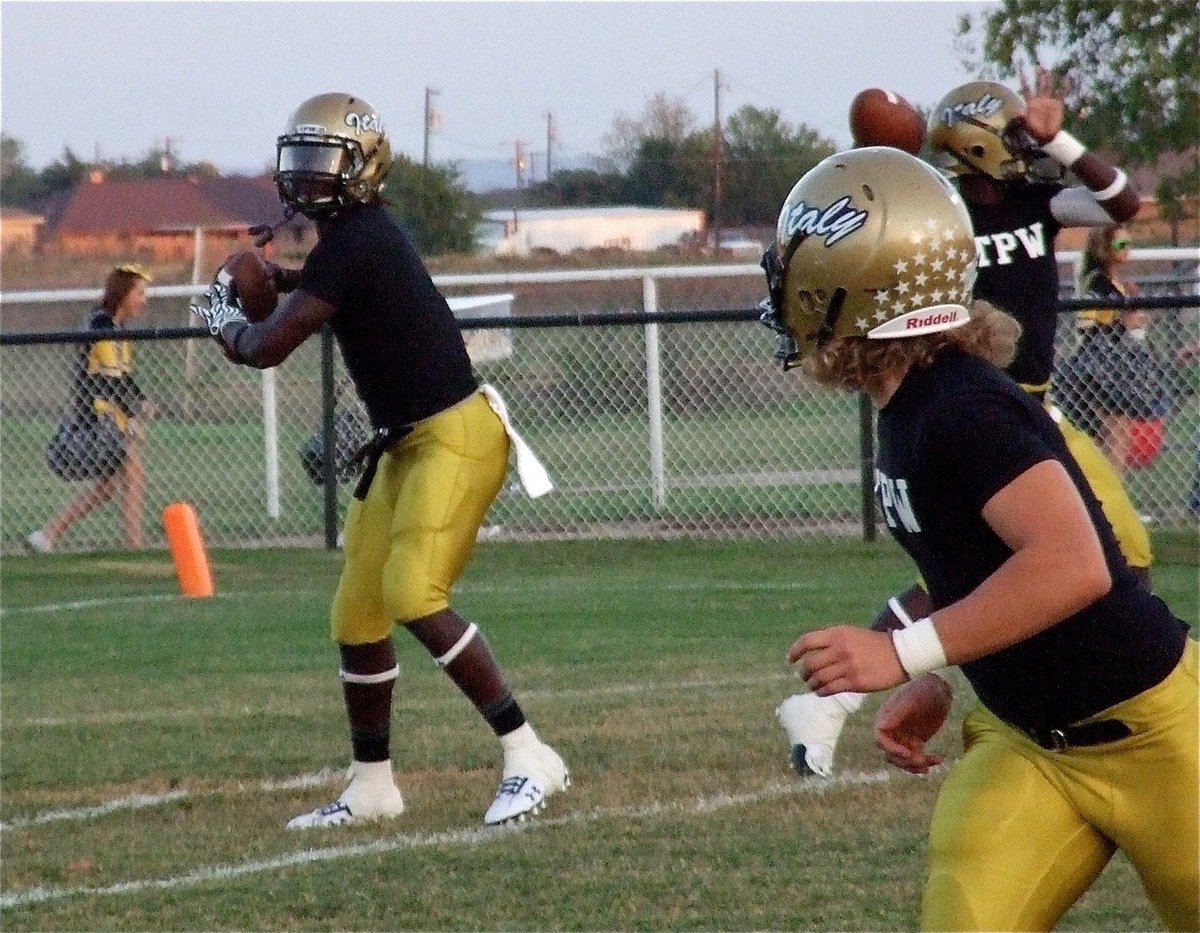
(222, 308)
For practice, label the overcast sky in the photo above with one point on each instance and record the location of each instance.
(220, 78)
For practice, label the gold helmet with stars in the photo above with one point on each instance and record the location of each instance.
(870, 243)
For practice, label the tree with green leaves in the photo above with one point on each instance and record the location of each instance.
(439, 212)
(764, 157)
(1135, 67)
(578, 188)
(19, 183)
(663, 117)
(664, 161)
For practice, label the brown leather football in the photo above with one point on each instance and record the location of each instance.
(255, 287)
(884, 118)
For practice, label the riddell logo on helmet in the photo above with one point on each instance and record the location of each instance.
(932, 320)
(922, 321)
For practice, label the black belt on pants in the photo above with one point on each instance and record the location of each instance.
(1089, 734)
(370, 452)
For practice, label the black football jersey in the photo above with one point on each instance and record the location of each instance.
(1018, 272)
(398, 337)
(954, 435)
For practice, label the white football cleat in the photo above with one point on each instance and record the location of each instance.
(371, 795)
(529, 778)
(813, 725)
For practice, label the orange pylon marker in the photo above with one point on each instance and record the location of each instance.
(187, 549)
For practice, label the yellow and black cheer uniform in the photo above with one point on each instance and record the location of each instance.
(1098, 284)
(104, 383)
(1018, 273)
(410, 532)
(1085, 736)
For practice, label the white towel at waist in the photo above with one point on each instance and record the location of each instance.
(533, 475)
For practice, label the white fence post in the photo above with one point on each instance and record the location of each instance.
(270, 441)
(658, 490)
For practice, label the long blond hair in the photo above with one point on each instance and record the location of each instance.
(861, 364)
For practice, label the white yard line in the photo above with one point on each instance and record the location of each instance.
(460, 838)
(208, 713)
(325, 776)
(556, 585)
(142, 801)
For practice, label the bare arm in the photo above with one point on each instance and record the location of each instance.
(1108, 186)
(269, 342)
(1057, 568)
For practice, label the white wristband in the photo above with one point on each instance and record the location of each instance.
(1118, 184)
(919, 648)
(1064, 148)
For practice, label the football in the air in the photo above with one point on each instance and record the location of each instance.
(884, 118)
(255, 287)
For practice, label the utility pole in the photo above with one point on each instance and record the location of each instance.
(717, 158)
(550, 140)
(519, 163)
(432, 118)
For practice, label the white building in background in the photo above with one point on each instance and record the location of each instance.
(521, 231)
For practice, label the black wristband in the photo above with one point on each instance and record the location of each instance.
(233, 344)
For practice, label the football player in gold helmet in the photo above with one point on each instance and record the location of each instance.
(437, 460)
(1001, 150)
(1084, 738)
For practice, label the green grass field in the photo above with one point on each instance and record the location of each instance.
(153, 748)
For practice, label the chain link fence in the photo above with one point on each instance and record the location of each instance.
(654, 418)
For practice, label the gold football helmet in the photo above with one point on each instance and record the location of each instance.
(333, 153)
(871, 243)
(974, 130)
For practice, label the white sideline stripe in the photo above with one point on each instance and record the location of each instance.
(97, 603)
(105, 601)
(51, 722)
(465, 838)
(141, 801)
(101, 602)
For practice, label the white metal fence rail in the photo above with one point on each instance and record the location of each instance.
(651, 430)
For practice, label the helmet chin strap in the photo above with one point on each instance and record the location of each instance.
(832, 313)
(265, 233)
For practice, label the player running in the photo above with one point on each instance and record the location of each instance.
(1006, 156)
(1084, 738)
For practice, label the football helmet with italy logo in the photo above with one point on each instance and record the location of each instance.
(870, 243)
(976, 130)
(334, 152)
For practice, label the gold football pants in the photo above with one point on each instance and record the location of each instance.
(1019, 832)
(410, 538)
(1127, 525)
